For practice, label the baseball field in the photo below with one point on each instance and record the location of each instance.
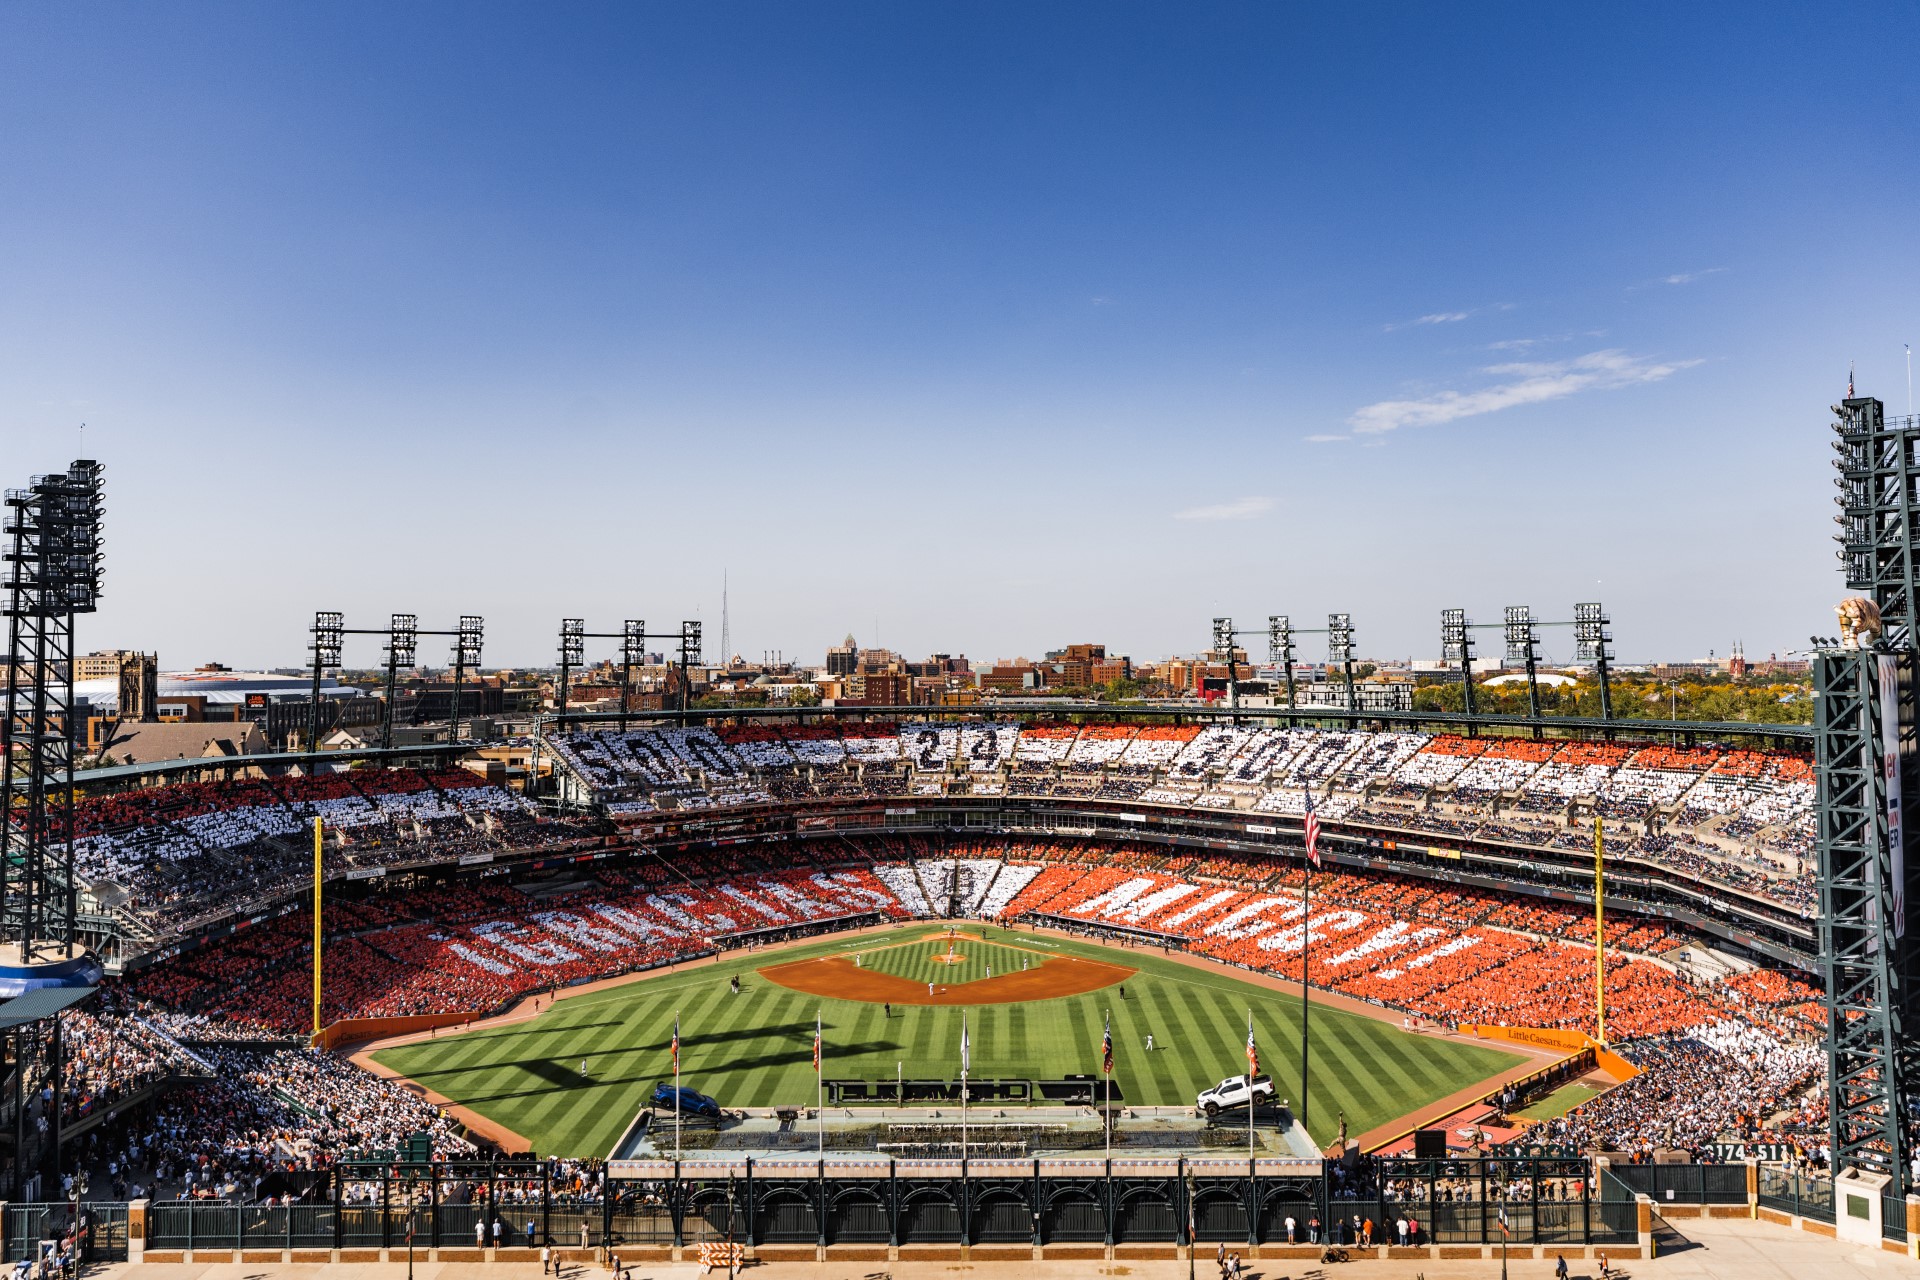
(570, 1079)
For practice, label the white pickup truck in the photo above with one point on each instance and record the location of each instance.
(1234, 1091)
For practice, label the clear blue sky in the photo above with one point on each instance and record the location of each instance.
(995, 327)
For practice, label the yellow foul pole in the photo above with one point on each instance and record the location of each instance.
(1599, 938)
(318, 879)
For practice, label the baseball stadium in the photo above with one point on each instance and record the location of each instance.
(854, 986)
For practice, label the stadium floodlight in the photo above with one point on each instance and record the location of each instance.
(403, 650)
(1279, 639)
(573, 652)
(1523, 643)
(73, 512)
(689, 655)
(1590, 641)
(328, 629)
(1590, 632)
(1339, 637)
(1340, 650)
(403, 640)
(468, 640)
(1222, 636)
(1280, 649)
(633, 653)
(1456, 645)
(1521, 636)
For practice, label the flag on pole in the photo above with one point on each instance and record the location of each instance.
(1849, 379)
(676, 1042)
(816, 1044)
(966, 1047)
(1106, 1047)
(1312, 829)
(1253, 1050)
(1505, 1230)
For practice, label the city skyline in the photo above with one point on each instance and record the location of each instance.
(965, 326)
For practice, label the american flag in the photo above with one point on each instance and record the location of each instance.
(676, 1042)
(1849, 379)
(1253, 1050)
(1312, 830)
(816, 1044)
(966, 1048)
(1106, 1048)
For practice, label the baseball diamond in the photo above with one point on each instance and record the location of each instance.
(754, 1049)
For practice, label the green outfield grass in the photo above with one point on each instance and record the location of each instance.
(921, 962)
(755, 1049)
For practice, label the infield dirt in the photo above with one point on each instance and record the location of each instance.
(839, 978)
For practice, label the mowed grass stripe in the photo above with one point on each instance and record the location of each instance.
(755, 1049)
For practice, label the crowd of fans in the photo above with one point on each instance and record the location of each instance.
(186, 853)
(1721, 1080)
(217, 1023)
(1739, 818)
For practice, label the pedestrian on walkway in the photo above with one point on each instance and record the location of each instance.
(546, 1258)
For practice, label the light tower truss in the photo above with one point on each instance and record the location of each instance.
(52, 575)
(1864, 756)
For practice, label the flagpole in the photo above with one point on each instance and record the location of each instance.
(1106, 1120)
(1306, 943)
(1250, 1075)
(820, 1086)
(676, 1084)
(1599, 937)
(965, 1054)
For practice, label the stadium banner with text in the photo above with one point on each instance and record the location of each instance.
(1563, 1040)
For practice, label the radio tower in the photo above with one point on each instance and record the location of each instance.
(726, 636)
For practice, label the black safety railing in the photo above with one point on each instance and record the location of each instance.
(1171, 1200)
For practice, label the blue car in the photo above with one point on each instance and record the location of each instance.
(686, 1101)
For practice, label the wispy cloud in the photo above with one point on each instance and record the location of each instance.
(1328, 439)
(1238, 509)
(1677, 278)
(1527, 344)
(1530, 383)
(1445, 317)
(1101, 300)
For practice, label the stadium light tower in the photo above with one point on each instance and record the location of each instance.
(1865, 750)
(1340, 650)
(466, 653)
(633, 652)
(1280, 649)
(1590, 639)
(1523, 645)
(689, 655)
(403, 643)
(53, 574)
(329, 628)
(1456, 645)
(1223, 634)
(573, 652)
(53, 557)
